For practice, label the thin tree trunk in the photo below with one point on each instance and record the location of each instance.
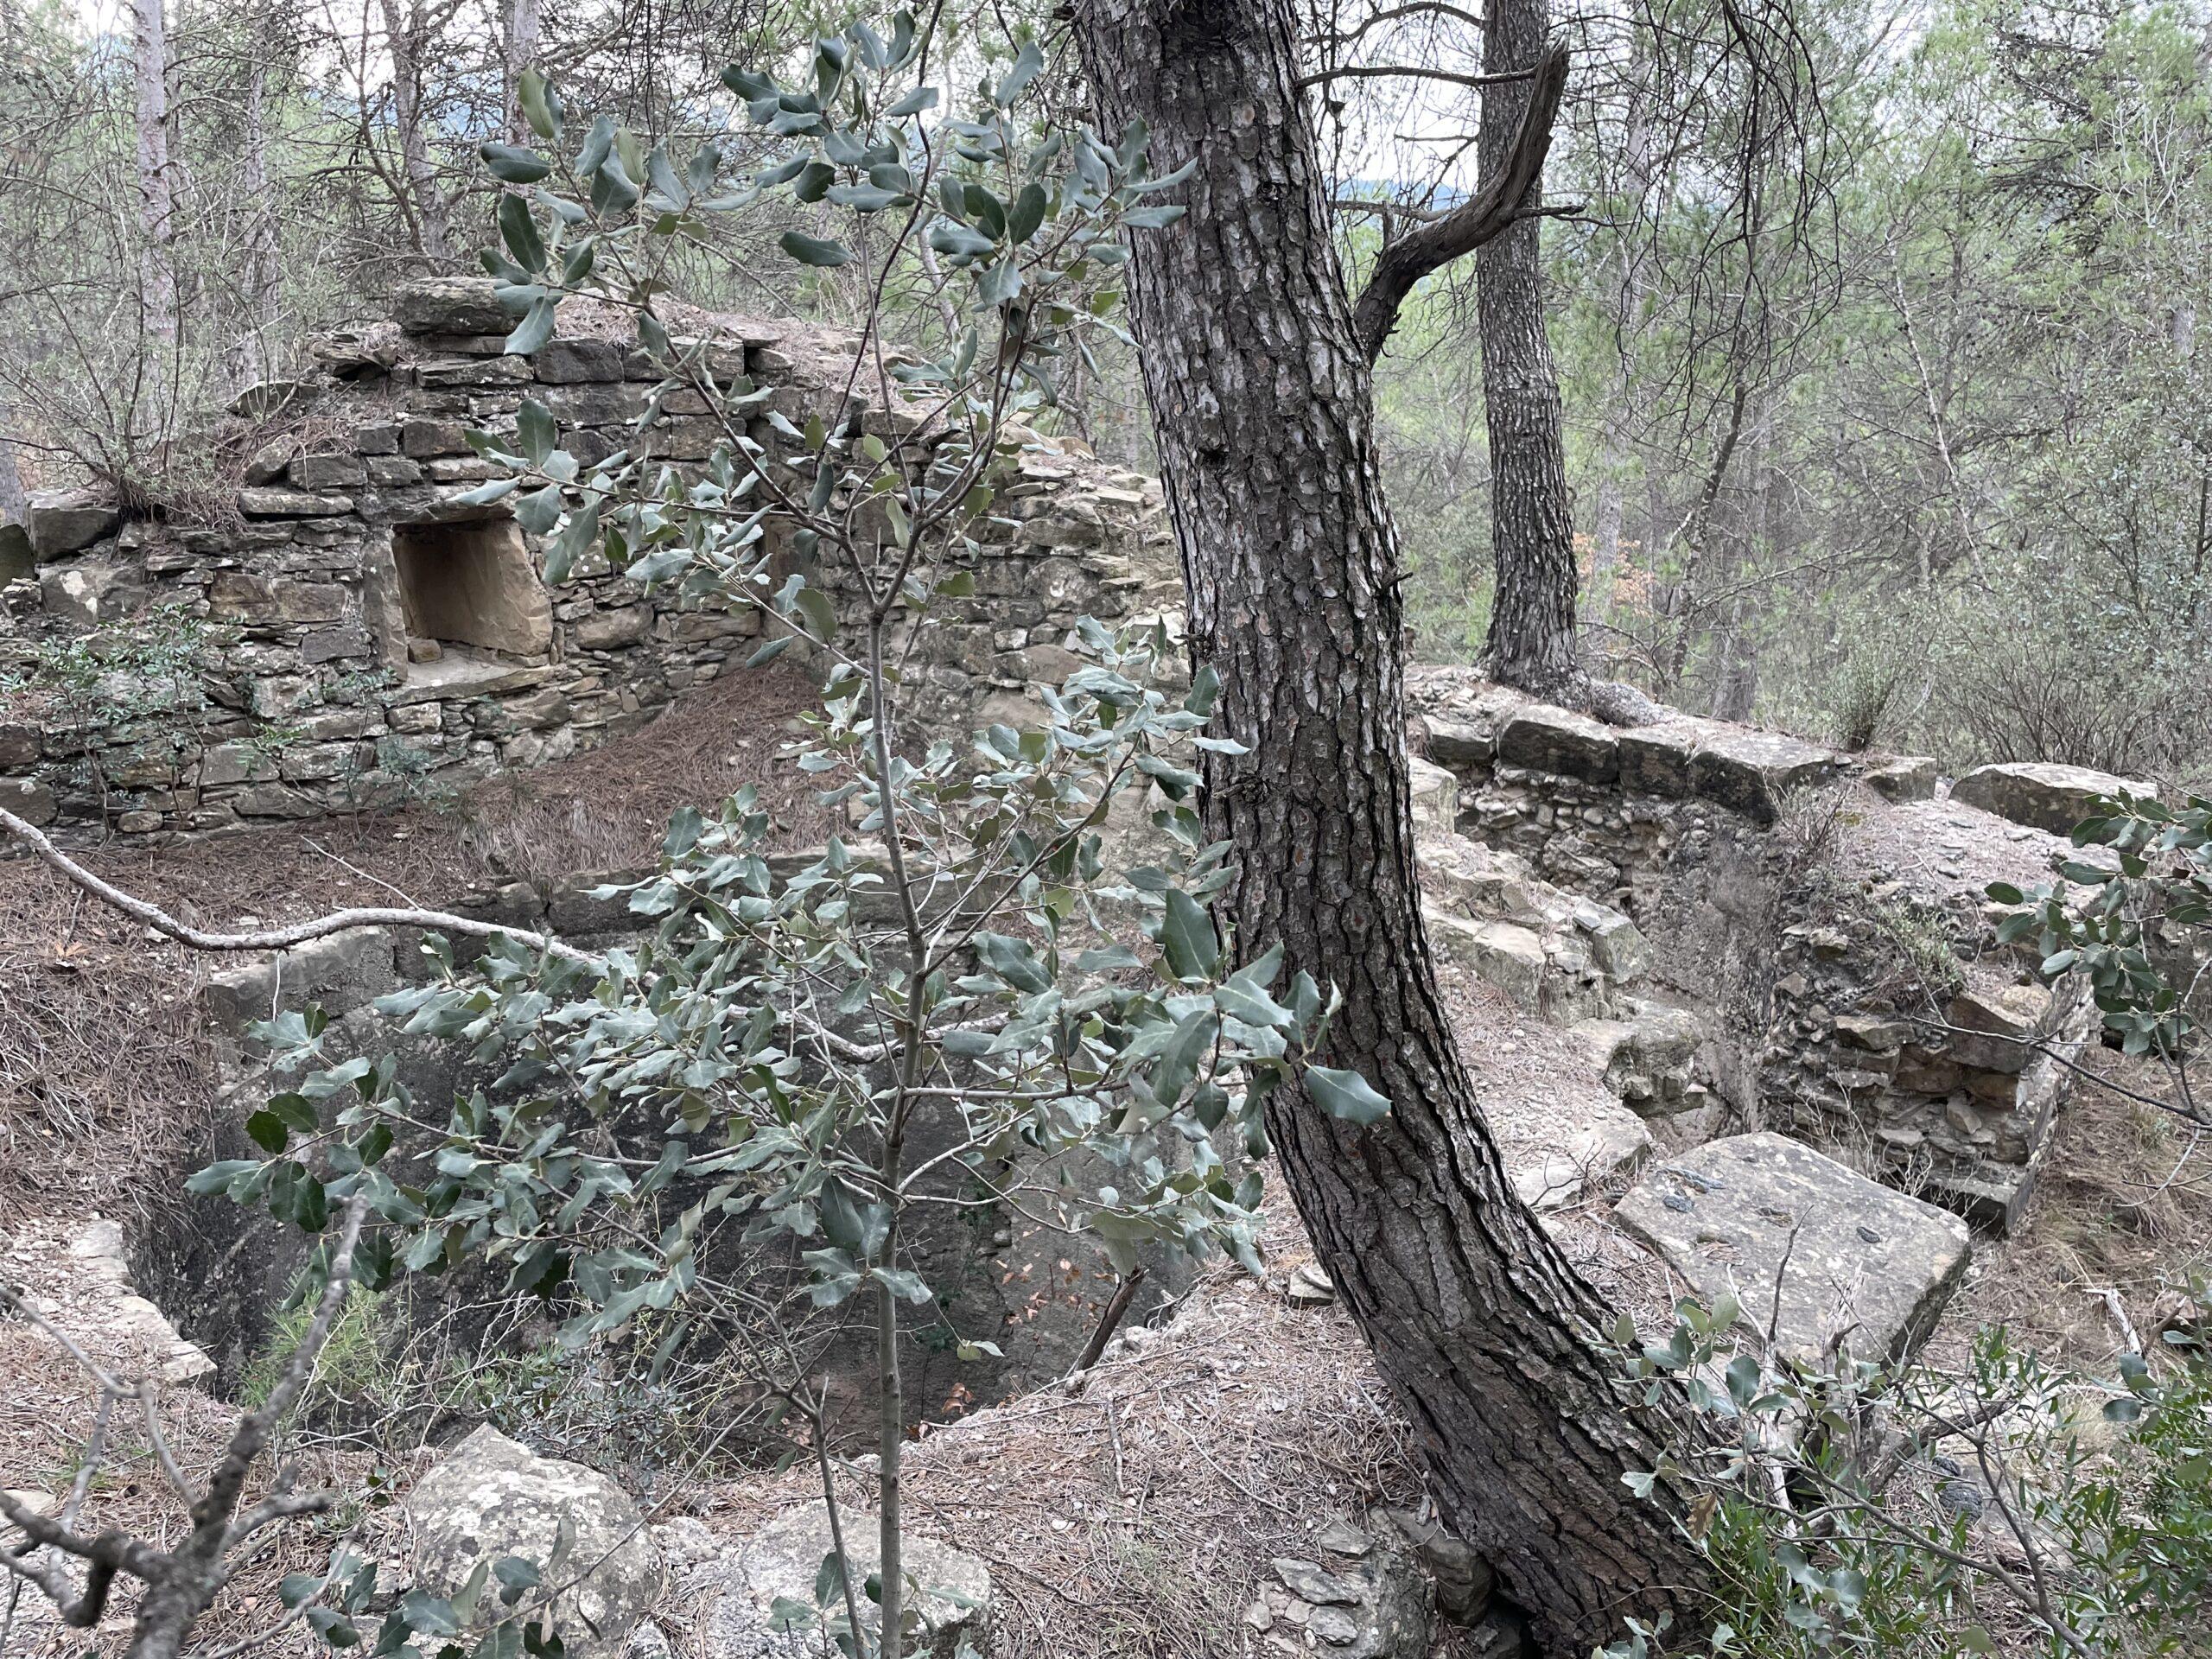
(157, 200)
(1532, 625)
(263, 255)
(1609, 514)
(522, 52)
(404, 38)
(15, 505)
(1260, 391)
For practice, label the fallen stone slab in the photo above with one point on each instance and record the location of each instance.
(492, 1498)
(781, 1562)
(1804, 1244)
(2042, 794)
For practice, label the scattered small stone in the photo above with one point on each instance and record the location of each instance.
(1334, 1625)
(1340, 1537)
(1315, 1583)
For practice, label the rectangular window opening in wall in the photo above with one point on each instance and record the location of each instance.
(471, 585)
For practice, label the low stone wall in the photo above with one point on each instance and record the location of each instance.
(363, 632)
(1873, 1014)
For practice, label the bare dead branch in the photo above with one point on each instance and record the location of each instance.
(1485, 216)
(273, 939)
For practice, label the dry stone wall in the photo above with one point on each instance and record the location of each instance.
(357, 631)
(1866, 1009)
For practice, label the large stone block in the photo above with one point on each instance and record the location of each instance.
(1753, 771)
(951, 1590)
(29, 800)
(270, 502)
(2042, 794)
(1656, 759)
(451, 305)
(1435, 800)
(337, 973)
(1545, 738)
(1817, 1250)
(61, 522)
(492, 1499)
(567, 362)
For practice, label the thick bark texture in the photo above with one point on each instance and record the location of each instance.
(1259, 388)
(1532, 639)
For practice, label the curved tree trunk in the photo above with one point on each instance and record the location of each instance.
(1260, 392)
(1532, 639)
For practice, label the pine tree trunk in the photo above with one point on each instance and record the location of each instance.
(1532, 634)
(1260, 398)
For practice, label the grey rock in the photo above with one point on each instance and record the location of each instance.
(565, 362)
(1314, 1583)
(1458, 743)
(61, 522)
(451, 305)
(1752, 772)
(1464, 1582)
(490, 1498)
(1656, 759)
(603, 629)
(337, 973)
(1500, 953)
(781, 1561)
(270, 502)
(1435, 799)
(1903, 778)
(1761, 1209)
(29, 800)
(1545, 738)
(324, 474)
(17, 557)
(2042, 794)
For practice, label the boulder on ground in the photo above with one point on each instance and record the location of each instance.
(1364, 1598)
(490, 1499)
(1817, 1250)
(2042, 794)
(1903, 778)
(782, 1561)
(337, 973)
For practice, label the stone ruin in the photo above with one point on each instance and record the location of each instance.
(375, 633)
(1739, 946)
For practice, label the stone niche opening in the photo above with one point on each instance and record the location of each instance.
(471, 585)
